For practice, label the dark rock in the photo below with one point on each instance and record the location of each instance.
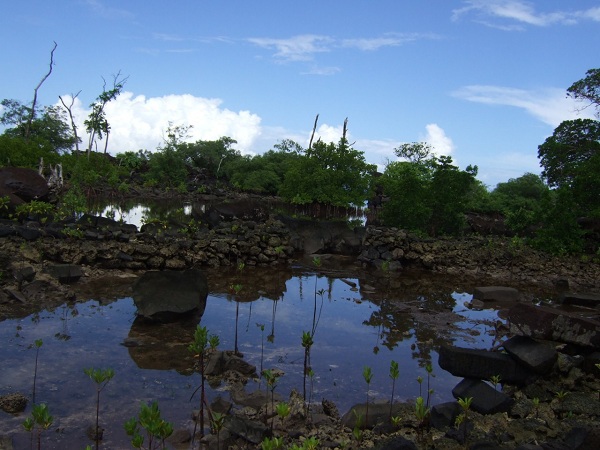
(65, 273)
(26, 274)
(486, 400)
(255, 400)
(444, 415)
(581, 438)
(482, 364)
(588, 300)
(180, 436)
(6, 442)
(496, 293)
(13, 403)
(24, 183)
(378, 413)
(396, 443)
(534, 355)
(28, 233)
(551, 324)
(221, 362)
(578, 403)
(250, 430)
(165, 295)
(7, 230)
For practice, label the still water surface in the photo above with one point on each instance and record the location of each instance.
(363, 322)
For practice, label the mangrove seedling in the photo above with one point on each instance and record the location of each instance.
(421, 413)
(271, 377)
(311, 374)
(536, 406)
(394, 374)
(495, 380)
(271, 443)
(235, 290)
(37, 344)
(429, 370)
(283, 410)
(307, 342)
(39, 421)
(368, 376)
(311, 443)
(358, 425)
(420, 381)
(463, 418)
(199, 348)
(101, 377)
(149, 420)
(218, 421)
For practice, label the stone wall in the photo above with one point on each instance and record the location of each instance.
(108, 244)
(499, 258)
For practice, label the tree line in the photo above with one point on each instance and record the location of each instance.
(557, 211)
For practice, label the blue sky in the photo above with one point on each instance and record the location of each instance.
(481, 80)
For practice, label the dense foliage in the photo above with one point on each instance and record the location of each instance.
(423, 192)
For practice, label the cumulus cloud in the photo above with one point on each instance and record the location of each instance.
(138, 122)
(551, 106)
(437, 138)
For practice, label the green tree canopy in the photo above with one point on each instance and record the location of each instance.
(428, 194)
(331, 174)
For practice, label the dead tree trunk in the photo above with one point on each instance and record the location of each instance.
(35, 92)
(69, 110)
(313, 132)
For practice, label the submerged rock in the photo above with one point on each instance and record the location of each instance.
(166, 295)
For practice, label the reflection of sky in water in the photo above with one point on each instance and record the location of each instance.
(343, 345)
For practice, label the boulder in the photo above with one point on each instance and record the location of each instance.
(482, 364)
(496, 294)
(587, 300)
(443, 415)
(168, 295)
(221, 362)
(26, 184)
(65, 273)
(552, 324)
(485, 399)
(534, 355)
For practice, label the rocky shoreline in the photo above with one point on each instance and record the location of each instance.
(52, 263)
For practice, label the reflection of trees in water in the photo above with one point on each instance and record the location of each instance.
(409, 306)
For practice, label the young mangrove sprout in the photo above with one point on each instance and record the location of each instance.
(149, 420)
(39, 420)
(101, 377)
(202, 341)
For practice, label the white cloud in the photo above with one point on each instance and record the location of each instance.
(551, 106)
(437, 138)
(138, 122)
(296, 48)
(521, 12)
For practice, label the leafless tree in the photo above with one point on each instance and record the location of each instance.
(35, 92)
(70, 111)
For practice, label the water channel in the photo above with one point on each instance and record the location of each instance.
(366, 319)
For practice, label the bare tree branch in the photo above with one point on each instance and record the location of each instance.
(35, 92)
(69, 110)
(313, 132)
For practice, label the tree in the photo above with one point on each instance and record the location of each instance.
(49, 125)
(336, 175)
(522, 201)
(428, 194)
(69, 110)
(35, 92)
(96, 124)
(414, 151)
(570, 159)
(587, 89)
